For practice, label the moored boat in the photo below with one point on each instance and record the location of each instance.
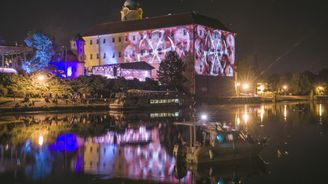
(218, 144)
(142, 99)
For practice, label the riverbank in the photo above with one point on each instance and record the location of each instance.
(12, 105)
(38, 104)
(254, 100)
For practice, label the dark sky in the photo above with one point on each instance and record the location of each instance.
(291, 34)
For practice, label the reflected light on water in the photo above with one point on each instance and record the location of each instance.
(285, 112)
(320, 110)
(237, 120)
(246, 116)
(262, 111)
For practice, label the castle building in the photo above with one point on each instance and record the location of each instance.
(205, 44)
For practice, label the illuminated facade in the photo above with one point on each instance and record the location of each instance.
(201, 41)
(130, 71)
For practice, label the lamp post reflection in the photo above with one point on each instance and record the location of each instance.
(321, 110)
(262, 112)
(285, 113)
(246, 118)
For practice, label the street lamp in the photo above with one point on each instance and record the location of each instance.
(285, 87)
(203, 117)
(40, 140)
(41, 78)
(246, 86)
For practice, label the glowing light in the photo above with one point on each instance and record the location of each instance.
(40, 141)
(219, 137)
(285, 87)
(320, 88)
(285, 112)
(320, 110)
(65, 142)
(204, 117)
(246, 117)
(262, 88)
(246, 86)
(237, 84)
(238, 121)
(41, 78)
(262, 112)
(69, 72)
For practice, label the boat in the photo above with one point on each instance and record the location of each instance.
(219, 143)
(142, 99)
(233, 172)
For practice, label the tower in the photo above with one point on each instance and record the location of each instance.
(131, 10)
(79, 41)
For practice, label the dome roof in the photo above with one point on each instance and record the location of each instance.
(132, 4)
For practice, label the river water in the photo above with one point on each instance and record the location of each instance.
(114, 147)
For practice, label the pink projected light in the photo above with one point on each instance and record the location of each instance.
(214, 49)
(128, 137)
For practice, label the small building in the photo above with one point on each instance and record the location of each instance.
(12, 56)
(129, 71)
(67, 66)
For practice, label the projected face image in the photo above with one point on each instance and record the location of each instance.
(130, 54)
(154, 46)
(215, 54)
(182, 41)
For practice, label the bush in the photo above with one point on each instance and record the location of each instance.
(3, 91)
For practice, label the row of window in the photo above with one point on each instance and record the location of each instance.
(104, 40)
(105, 55)
(164, 115)
(163, 101)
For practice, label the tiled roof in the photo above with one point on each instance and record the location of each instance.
(156, 22)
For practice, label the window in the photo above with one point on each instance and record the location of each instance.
(119, 54)
(104, 41)
(90, 42)
(98, 56)
(126, 38)
(91, 56)
(113, 54)
(104, 55)
(134, 38)
(119, 39)
(97, 41)
(113, 40)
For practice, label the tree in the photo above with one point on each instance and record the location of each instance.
(43, 49)
(301, 84)
(248, 68)
(170, 72)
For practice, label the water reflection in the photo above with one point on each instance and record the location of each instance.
(138, 146)
(285, 112)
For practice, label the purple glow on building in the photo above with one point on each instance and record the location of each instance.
(68, 69)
